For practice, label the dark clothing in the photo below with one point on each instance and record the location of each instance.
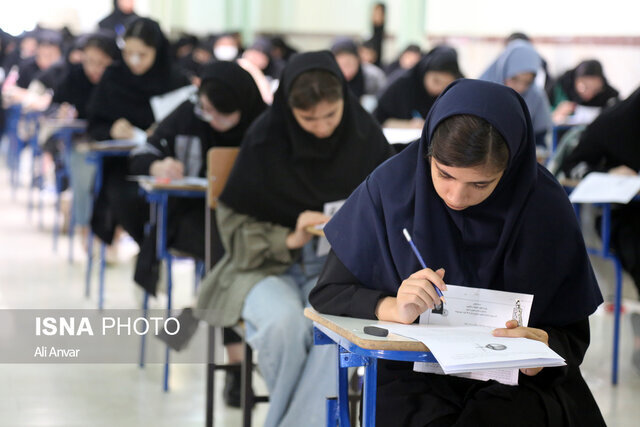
(187, 138)
(75, 89)
(117, 20)
(406, 97)
(564, 89)
(54, 75)
(613, 140)
(303, 172)
(28, 70)
(556, 396)
(522, 238)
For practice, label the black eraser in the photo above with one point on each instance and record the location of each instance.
(376, 331)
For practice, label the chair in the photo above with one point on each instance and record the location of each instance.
(220, 161)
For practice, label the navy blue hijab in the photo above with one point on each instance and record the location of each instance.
(523, 238)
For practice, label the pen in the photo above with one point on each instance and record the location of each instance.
(415, 114)
(415, 251)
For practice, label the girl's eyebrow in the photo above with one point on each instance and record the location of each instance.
(452, 177)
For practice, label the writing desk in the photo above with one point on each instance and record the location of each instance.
(157, 192)
(98, 151)
(355, 348)
(314, 231)
(604, 252)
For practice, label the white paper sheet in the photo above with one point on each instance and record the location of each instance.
(606, 188)
(583, 115)
(329, 209)
(401, 135)
(163, 105)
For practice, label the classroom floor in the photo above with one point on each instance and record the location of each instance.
(33, 276)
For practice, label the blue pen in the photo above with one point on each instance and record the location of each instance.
(415, 114)
(415, 251)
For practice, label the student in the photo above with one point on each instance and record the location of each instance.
(362, 78)
(226, 48)
(411, 95)
(26, 46)
(280, 50)
(610, 144)
(312, 146)
(227, 103)
(516, 67)
(48, 52)
(484, 214)
(583, 85)
(122, 15)
(409, 57)
(119, 108)
(72, 95)
(259, 54)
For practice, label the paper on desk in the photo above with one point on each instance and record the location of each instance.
(163, 105)
(329, 210)
(461, 349)
(468, 306)
(600, 187)
(583, 115)
(401, 135)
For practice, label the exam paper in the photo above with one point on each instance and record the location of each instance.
(163, 105)
(600, 187)
(329, 210)
(401, 135)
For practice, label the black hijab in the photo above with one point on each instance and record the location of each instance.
(124, 94)
(406, 96)
(523, 238)
(283, 170)
(233, 89)
(590, 67)
(75, 88)
(347, 46)
(117, 20)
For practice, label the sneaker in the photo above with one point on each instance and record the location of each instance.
(188, 327)
(233, 387)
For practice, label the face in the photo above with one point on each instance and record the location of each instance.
(28, 47)
(126, 6)
(222, 122)
(47, 55)
(436, 81)
(409, 59)
(520, 82)
(349, 65)
(367, 55)
(202, 56)
(226, 48)
(94, 63)
(460, 188)
(322, 119)
(588, 86)
(138, 56)
(257, 58)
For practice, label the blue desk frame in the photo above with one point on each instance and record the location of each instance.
(97, 157)
(159, 201)
(351, 355)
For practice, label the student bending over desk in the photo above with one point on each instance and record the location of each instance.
(610, 144)
(483, 213)
(314, 145)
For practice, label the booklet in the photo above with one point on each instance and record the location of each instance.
(600, 187)
(459, 336)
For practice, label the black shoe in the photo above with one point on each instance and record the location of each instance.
(188, 327)
(232, 387)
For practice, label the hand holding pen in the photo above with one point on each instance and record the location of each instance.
(418, 293)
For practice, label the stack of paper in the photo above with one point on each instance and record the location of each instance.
(473, 348)
(605, 188)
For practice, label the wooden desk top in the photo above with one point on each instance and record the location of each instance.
(149, 183)
(352, 329)
(105, 146)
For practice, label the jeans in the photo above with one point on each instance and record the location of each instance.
(298, 374)
(82, 186)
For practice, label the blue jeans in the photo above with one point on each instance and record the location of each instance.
(82, 174)
(298, 374)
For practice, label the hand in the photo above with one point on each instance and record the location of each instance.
(514, 331)
(67, 111)
(300, 237)
(121, 129)
(623, 170)
(416, 123)
(167, 168)
(415, 296)
(562, 111)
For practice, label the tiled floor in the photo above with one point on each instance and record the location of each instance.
(33, 276)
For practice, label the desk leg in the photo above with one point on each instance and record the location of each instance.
(103, 256)
(616, 321)
(341, 412)
(369, 395)
(166, 355)
(145, 312)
